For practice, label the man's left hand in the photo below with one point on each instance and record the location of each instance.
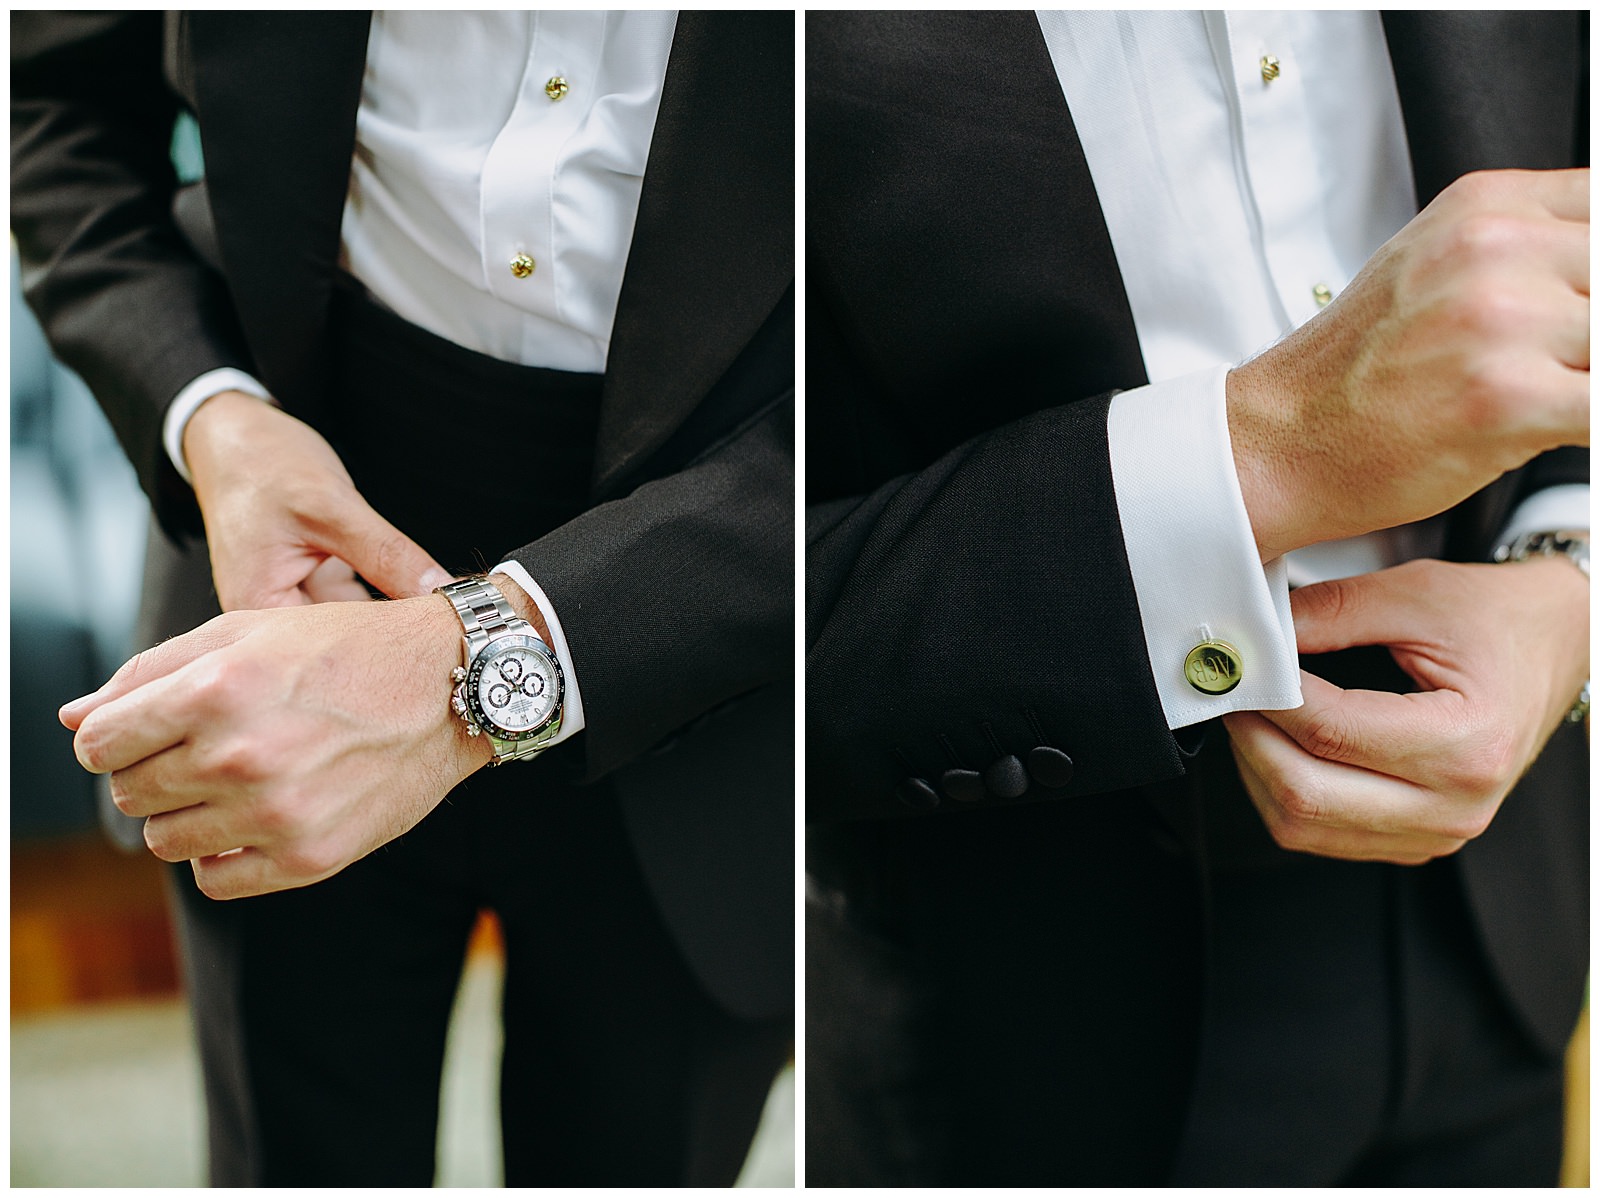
(273, 748)
(1500, 653)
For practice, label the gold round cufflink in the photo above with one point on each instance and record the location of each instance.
(522, 266)
(1213, 667)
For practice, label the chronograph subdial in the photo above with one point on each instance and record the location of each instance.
(514, 689)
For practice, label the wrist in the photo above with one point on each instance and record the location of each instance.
(1562, 593)
(213, 430)
(522, 603)
(1261, 431)
(445, 652)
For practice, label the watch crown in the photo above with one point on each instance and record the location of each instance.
(457, 706)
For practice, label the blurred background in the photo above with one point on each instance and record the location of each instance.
(105, 1082)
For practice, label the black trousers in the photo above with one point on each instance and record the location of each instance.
(322, 1012)
(1141, 989)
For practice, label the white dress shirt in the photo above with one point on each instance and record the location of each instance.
(1237, 205)
(498, 165)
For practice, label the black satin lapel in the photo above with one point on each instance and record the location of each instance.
(1483, 91)
(954, 232)
(276, 96)
(713, 247)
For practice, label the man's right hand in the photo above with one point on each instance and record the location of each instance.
(285, 524)
(1459, 352)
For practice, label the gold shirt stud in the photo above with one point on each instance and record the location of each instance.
(522, 266)
(556, 88)
(1270, 69)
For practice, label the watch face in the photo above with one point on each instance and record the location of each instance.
(515, 687)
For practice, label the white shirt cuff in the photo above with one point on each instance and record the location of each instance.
(1555, 509)
(572, 705)
(1197, 574)
(188, 401)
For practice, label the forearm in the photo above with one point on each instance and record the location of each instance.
(121, 296)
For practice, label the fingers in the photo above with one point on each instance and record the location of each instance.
(1334, 810)
(1425, 737)
(382, 554)
(238, 874)
(250, 871)
(1343, 613)
(140, 724)
(158, 662)
(1568, 253)
(334, 582)
(195, 831)
(1564, 194)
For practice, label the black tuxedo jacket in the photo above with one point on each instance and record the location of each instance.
(968, 597)
(142, 286)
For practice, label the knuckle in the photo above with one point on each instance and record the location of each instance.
(1486, 765)
(278, 818)
(129, 671)
(240, 762)
(1300, 803)
(215, 687)
(307, 859)
(120, 798)
(1325, 736)
(1484, 234)
(1492, 315)
(1474, 188)
(1328, 601)
(89, 745)
(212, 883)
(160, 841)
(1490, 384)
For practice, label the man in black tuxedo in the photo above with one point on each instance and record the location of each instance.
(640, 869)
(1054, 937)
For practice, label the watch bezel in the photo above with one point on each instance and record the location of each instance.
(480, 661)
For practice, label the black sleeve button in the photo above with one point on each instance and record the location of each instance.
(917, 794)
(964, 786)
(1050, 768)
(1006, 779)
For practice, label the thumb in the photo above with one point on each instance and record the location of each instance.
(165, 658)
(1363, 610)
(382, 554)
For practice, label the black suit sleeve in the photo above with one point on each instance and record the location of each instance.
(971, 613)
(678, 597)
(121, 295)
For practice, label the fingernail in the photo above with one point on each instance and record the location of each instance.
(69, 710)
(433, 579)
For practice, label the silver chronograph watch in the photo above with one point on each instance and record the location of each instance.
(511, 687)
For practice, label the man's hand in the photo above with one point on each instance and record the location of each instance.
(1460, 351)
(304, 738)
(1501, 652)
(284, 523)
